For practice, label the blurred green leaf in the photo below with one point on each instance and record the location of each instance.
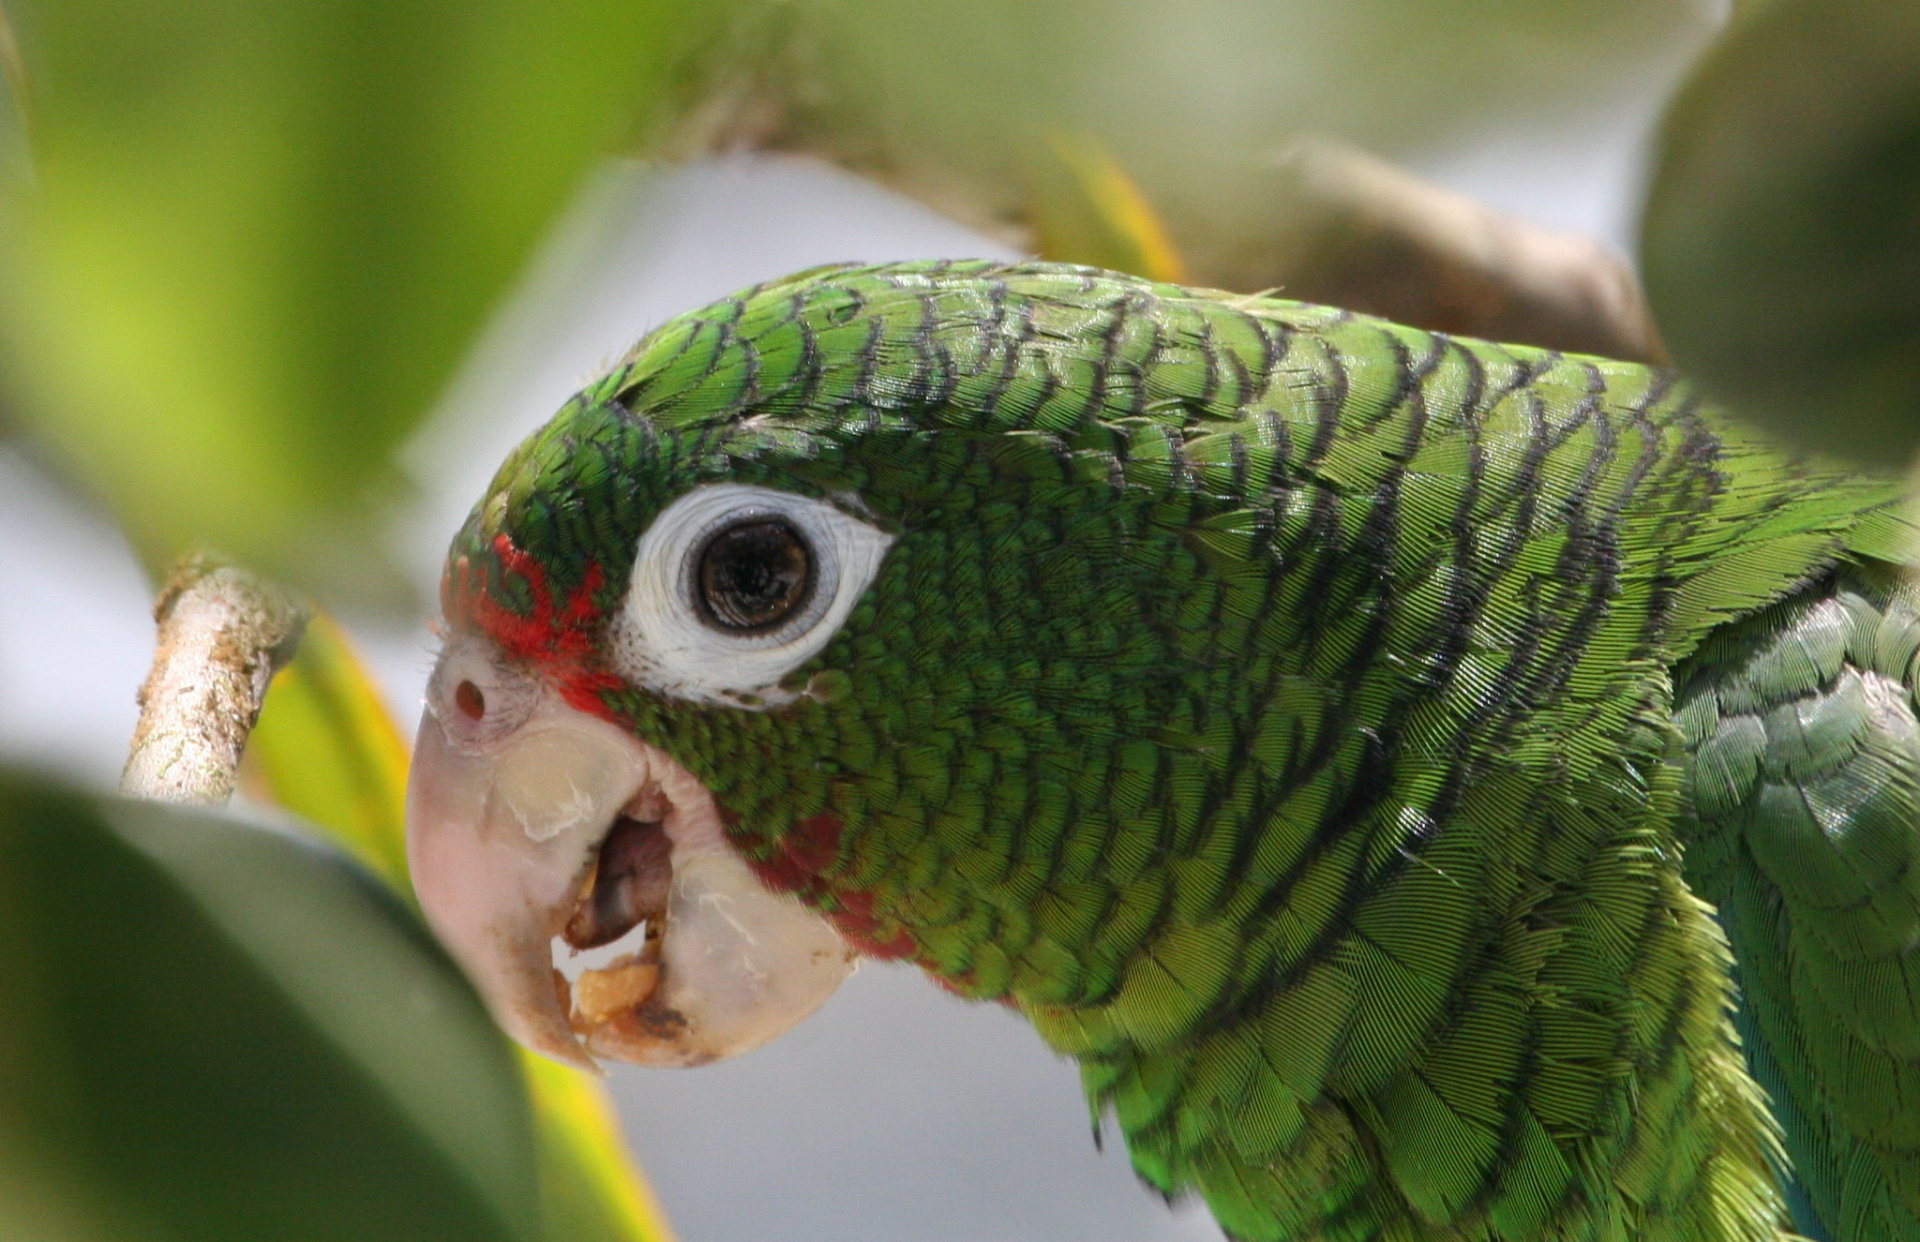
(1781, 244)
(214, 1031)
(327, 750)
(262, 234)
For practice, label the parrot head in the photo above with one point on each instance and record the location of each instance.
(785, 642)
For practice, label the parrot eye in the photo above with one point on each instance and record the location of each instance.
(734, 587)
(753, 575)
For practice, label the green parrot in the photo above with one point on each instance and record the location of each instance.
(1434, 789)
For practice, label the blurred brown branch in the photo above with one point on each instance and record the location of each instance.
(223, 633)
(1355, 231)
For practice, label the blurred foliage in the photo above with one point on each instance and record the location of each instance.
(1088, 210)
(215, 1031)
(589, 1188)
(13, 109)
(959, 104)
(327, 749)
(1781, 246)
(259, 237)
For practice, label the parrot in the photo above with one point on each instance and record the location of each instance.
(1433, 789)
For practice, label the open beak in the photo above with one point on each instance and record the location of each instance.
(568, 835)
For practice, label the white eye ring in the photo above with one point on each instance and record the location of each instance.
(665, 639)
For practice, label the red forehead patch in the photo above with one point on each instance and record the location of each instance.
(556, 636)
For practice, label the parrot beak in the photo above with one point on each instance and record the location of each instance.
(568, 834)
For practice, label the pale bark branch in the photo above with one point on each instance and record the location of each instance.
(223, 633)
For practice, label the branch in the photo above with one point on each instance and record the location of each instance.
(223, 635)
(1351, 230)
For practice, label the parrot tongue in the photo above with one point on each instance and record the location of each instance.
(628, 884)
(571, 844)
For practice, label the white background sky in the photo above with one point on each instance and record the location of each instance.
(899, 1112)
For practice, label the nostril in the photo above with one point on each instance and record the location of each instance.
(471, 702)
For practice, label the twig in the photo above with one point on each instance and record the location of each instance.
(223, 634)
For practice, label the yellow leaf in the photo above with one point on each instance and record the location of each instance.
(327, 750)
(588, 1186)
(1086, 209)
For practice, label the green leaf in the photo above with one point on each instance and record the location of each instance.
(216, 1031)
(1781, 243)
(262, 234)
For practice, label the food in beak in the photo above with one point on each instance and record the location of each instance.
(627, 888)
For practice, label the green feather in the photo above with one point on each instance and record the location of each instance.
(1806, 800)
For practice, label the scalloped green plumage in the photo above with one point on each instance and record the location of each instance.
(1299, 717)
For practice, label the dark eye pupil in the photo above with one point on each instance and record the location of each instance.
(754, 574)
